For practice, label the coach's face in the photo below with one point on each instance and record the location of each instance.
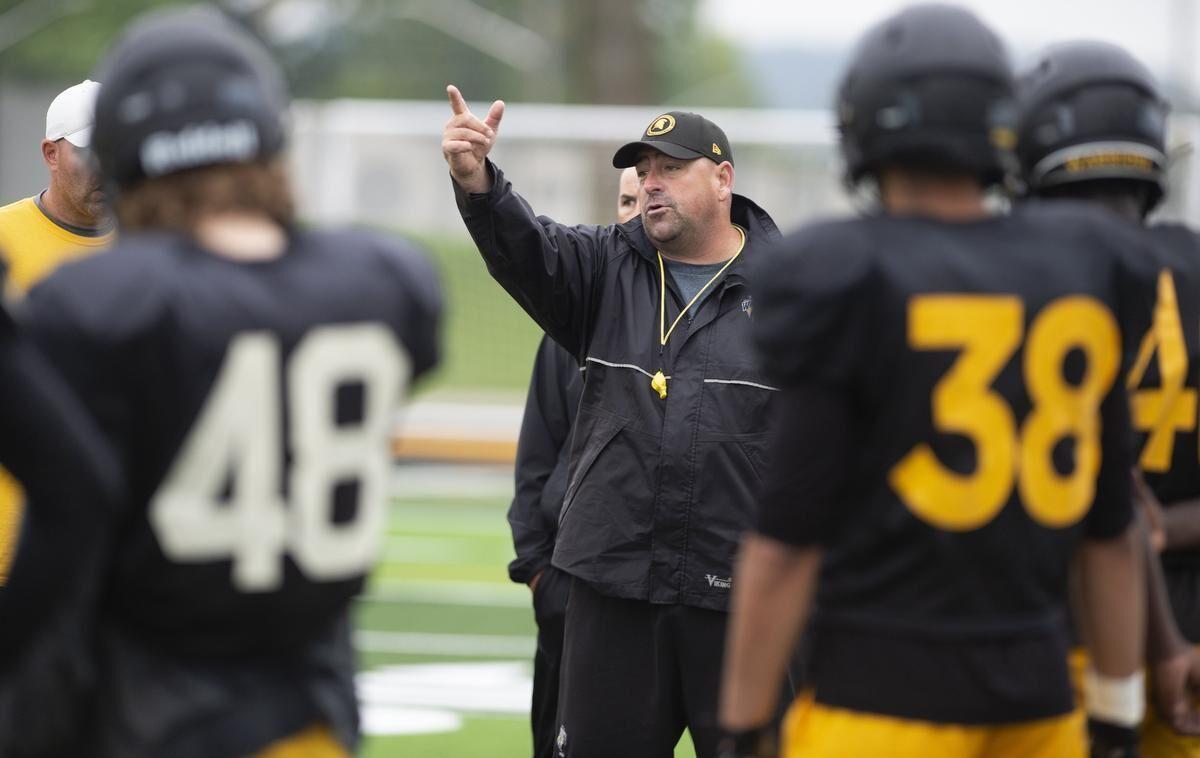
(681, 198)
(76, 179)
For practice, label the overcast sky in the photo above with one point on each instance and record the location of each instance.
(1143, 26)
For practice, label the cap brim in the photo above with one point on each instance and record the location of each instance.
(81, 138)
(628, 155)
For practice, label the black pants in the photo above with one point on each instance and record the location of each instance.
(635, 674)
(549, 610)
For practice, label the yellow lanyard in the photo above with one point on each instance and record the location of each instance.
(658, 382)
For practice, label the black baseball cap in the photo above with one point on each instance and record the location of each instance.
(680, 135)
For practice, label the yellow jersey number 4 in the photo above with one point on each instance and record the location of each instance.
(988, 330)
(1171, 407)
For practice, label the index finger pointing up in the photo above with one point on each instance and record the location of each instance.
(457, 103)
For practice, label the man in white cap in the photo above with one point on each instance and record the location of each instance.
(69, 218)
(66, 220)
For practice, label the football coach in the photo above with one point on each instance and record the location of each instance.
(672, 428)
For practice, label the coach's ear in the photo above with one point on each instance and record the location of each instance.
(50, 154)
(724, 178)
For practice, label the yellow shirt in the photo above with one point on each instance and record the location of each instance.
(33, 246)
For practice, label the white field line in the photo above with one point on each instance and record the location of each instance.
(432, 480)
(465, 645)
(501, 688)
(381, 720)
(475, 421)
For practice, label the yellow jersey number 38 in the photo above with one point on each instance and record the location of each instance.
(987, 330)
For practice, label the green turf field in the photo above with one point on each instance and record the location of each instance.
(446, 641)
(488, 341)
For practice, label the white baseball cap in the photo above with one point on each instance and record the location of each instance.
(71, 114)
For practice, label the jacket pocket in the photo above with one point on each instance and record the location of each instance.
(724, 499)
(737, 403)
(728, 482)
(752, 449)
(603, 430)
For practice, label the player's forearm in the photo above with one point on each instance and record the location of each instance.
(1163, 638)
(1181, 523)
(773, 587)
(1112, 607)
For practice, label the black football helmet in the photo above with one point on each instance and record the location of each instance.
(182, 89)
(1090, 111)
(930, 87)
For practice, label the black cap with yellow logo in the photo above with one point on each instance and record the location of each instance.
(679, 135)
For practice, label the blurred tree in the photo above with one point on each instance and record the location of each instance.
(66, 46)
(616, 53)
(597, 51)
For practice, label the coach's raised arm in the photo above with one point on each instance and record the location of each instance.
(548, 268)
(671, 431)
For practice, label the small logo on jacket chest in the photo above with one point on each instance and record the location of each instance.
(748, 307)
(719, 582)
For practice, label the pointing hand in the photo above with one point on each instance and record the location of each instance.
(466, 142)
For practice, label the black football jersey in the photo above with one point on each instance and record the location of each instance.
(251, 405)
(1163, 381)
(985, 431)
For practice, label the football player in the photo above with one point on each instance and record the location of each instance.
(954, 433)
(50, 441)
(247, 372)
(1093, 128)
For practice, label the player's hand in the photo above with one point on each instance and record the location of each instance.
(1175, 684)
(1152, 509)
(466, 142)
(533, 583)
(752, 743)
(1107, 740)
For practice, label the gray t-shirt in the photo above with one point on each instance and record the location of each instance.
(690, 277)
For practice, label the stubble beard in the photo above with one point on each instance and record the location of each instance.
(95, 210)
(669, 235)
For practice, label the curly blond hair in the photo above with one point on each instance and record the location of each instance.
(176, 202)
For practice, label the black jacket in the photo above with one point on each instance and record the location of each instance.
(659, 490)
(542, 457)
